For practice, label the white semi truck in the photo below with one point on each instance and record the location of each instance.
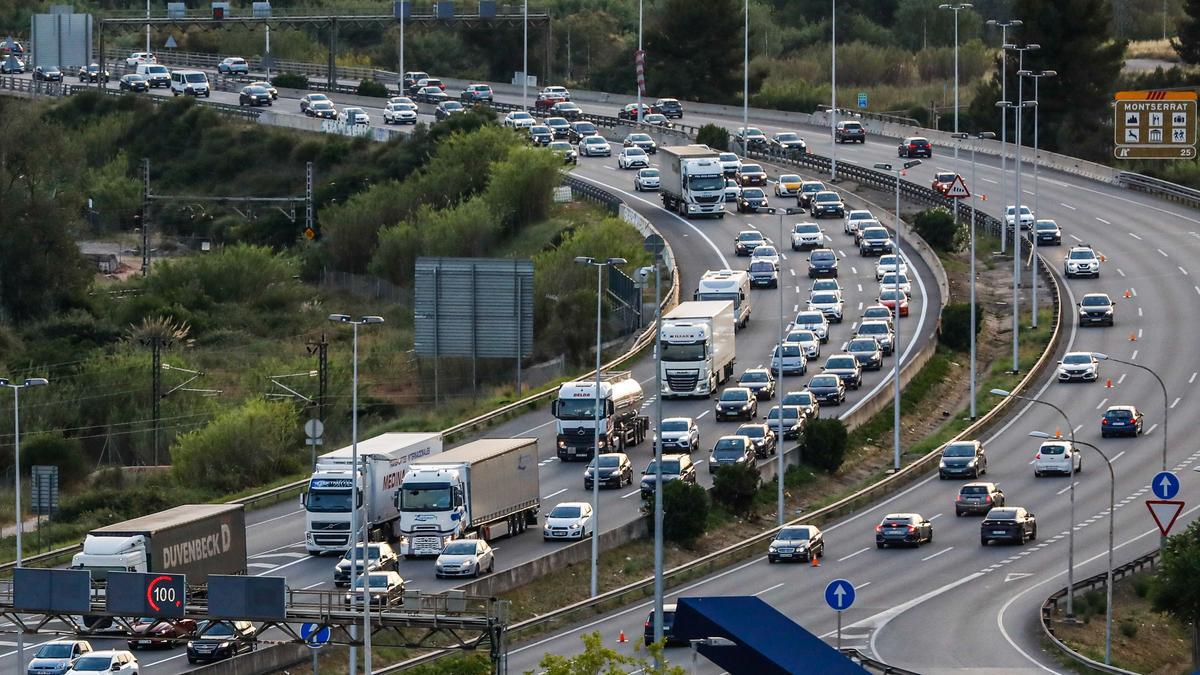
(697, 348)
(488, 488)
(622, 423)
(327, 503)
(693, 181)
(732, 285)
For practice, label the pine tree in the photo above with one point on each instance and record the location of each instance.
(690, 52)
(1188, 44)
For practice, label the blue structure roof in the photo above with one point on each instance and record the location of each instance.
(765, 641)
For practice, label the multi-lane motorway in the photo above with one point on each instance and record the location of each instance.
(950, 605)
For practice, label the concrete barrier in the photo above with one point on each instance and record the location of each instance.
(263, 660)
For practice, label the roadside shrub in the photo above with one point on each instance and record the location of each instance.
(936, 226)
(735, 486)
(824, 444)
(1129, 629)
(955, 331)
(685, 512)
(375, 88)
(793, 95)
(53, 449)
(714, 136)
(1142, 584)
(240, 448)
(290, 81)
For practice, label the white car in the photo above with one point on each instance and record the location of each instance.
(1078, 366)
(356, 116)
(385, 589)
(1057, 457)
(465, 558)
(808, 340)
(881, 330)
(233, 65)
(732, 190)
(108, 661)
(807, 235)
(767, 253)
(518, 119)
(555, 90)
(569, 520)
(887, 264)
(680, 433)
(647, 180)
(139, 57)
(1010, 214)
(850, 223)
(633, 158)
(828, 303)
(814, 321)
(888, 282)
(594, 146)
(400, 113)
(825, 285)
(730, 164)
(1081, 261)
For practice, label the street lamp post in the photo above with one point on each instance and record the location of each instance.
(832, 97)
(897, 172)
(1112, 505)
(1166, 404)
(791, 211)
(16, 390)
(599, 264)
(640, 55)
(974, 197)
(525, 57)
(1004, 25)
(956, 8)
(1071, 531)
(1033, 279)
(745, 76)
(354, 503)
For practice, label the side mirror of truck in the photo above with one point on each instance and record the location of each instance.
(303, 498)
(554, 408)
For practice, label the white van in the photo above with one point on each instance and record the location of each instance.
(156, 75)
(191, 82)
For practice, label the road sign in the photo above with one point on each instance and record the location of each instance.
(141, 594)
(313, 428)
(171, 44)
(1154, 124)
(44, 491)
(839, 594)
(314, 635)
(1164, 513)
(1165, 485)
(958, 189)
(862, 99)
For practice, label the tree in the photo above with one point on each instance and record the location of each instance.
(734, 487)
(1187, 46)
(955, 330)
(240, 447)
(685, 511)
(714, 136)
(824, 443)
(936, 226)
(1175, 590)
(596, 659)
(690, 51)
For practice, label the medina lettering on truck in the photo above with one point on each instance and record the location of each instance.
(195, 550)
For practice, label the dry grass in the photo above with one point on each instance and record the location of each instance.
(1151, 49)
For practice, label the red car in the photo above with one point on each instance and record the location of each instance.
(545, 102)
(942, 180)
(630, 111)
(148, 632)
(887, 298)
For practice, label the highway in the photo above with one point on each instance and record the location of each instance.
(276, 546)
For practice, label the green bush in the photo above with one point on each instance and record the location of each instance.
(685, 511)
(290, 81)
(53, 449)
(1142, 585)
(824, 443)
(793, 95)
(936, 226)
(714, 136)
(734, 487)
(241, 447)
(1129, 629)
(955, 331)
(374, 88)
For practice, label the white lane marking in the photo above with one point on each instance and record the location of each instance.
(792, 271)
(1133, 291)
(286, 515)
(1067, 488)
(1078, 427)
(1101, 404)
(860, 288)
(1163, 253)
(1197, 289)
(1151, 429)
(853, 269)
(1120, 271)
(797, 289)
(268, 566)
(1139, 311)
(1130, 233)
(935, 517)
(702, 414)
(860, 306)
(294, 555)
(1115, 458)
(630, 494)
(530, 431)
(1068, 206)
(1175, 402)
(1192, 378)
(990, 180)
(845, 558)
(1121, 378)
(286, 565)
(554, 494)
(1074, 237)
(1185, 273)
(768, 590)
(1133, 356)
(841, 253)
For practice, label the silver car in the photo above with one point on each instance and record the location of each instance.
(815, 321)
(794, 362)
(465, 558)
(646, 180)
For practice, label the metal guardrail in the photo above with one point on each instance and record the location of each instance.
(32, 87)
(852, 113)
(875, 665)
(1050, 607)
(1159, 187)
(278, 66)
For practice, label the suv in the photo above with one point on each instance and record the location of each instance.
(1078, 366)
(808, 188)
(731, 450)
(1048, 233)
(977, 498)
(1121, 420)
(1012, 523)
(963, 458)
(793, 361)
(827, 203)
(674, 467)
(1081, 261)
(915, 146)
(668, 621)
(218, 640)
(822, 262)
(473, 93)
(1096, 309)
(736, 403)
(679, 433)
(850, 132)
(806, 235)
(234, 65)
(764, 274)
(669, 107)
(875, 241)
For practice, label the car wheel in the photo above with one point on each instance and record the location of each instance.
(1037, 474)
(1021, 537)
(983, 541)
(880, 544)
(1033, 534)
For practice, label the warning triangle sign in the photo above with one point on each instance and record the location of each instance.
(1164, 513)
(958, 189)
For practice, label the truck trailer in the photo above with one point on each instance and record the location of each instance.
(327, 503)
(488, 488)
(693, 181)
(622, 423)
(697, 346)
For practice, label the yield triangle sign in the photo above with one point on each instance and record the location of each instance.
(958, 188)
(1164, 513)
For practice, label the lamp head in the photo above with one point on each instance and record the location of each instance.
(1001, 392)
(1101, 356)
(986, 134)
(1049, 73)
(339, 318)
(584, 260)
(883, 167)
(1040, 434)
(371, 319)
(960, 135)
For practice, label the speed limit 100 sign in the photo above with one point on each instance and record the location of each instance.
(139, 594)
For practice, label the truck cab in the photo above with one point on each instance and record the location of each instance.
(102, 555)
(693, 181)
(622, 424)
(696, 344)
(731, 285)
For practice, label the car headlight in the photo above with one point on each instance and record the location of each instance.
(772, 548)
(190, 644)
(573, 526)
(941, 465)
(223, 645)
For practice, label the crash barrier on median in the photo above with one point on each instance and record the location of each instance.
(1050, 607)
(875, 665)
(31, 87)
(1157, 186)
(202, 60)
(264, 660)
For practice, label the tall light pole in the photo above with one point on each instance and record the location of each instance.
(956, 8)
(354, 502)
(16, 390)
(655, 244)
(974, 198)
(147, 37)
(525, 61)
(832, 98)
(745, 76)
(1033, 278)
(1166, 406)
(599, 264)
(403, 6)
(1112, 507)
(640, 56)
(897, 171)
(780, 468)
(1004, 25)
(1071, 530)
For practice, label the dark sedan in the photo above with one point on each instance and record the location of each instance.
(48, 73)
(828, 388)
(761, 381)
(822, 262)
(323, 109)
(806, 401)
(615, 471)
(906, 529)
(133, 82)
(762, 437)
(736, 403)
(751, 174)
(1121, 420)
(915, 147)
(752, 200)
(430, 94)
(253, 95)
(1009, 523)
(793, 421)
(221, 640)
(447, 108)
(828, 203)
(540, 134)
(747, 241)
(978, 498)
(152, 632)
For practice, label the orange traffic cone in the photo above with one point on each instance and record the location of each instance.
(1133, 337)
(1058, 432)
(813, 558)
(1128, 295)
(621, 638)
(1108, 383)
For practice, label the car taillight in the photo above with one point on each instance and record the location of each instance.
(648, 626)
(958, 498)
(1038, 456)
(1103, 421)
(878, 528)
(912, 528)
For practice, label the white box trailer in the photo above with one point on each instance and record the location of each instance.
(698, 352)
(693, 181)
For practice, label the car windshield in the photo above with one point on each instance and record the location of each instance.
(669, 466)
(826, 285)
(798, 398)
(877, 312)
(638, 138)
(840, 362)
(315, 98)
(594, 140)
(455, 105)
(459, 548)
(810, 317)
(861, 346)
(656, 119)
(91, 664)
(753, 193)
(607, 462)
(735, 395)
(749, 236)
(1083, 254)
(560, 145)
(1095, 301)
(875, 233)
(755, 376)
(751, 168)
(812, 187)
(1002, 514)
(677, 425)
(135, 78)
(959, 450)
(790, 412)
(728, 446)
(216, 629)
(522, 116)
(648, 173)
(752, 431)
(873, 329)
(562, 511)
(807, 228)
(786, 137)
(790, 350)
(1053, 449)
(890, 294)
(801, 336)
(1077, 359)
(377, 581)
(532, 130)
(765, 252)
(887, 260)
(258, 91)
(195, 77)
(635, 152)
(851, 126)
(54, 650)
(793, 534)
(1047, 225)
(727, 157)
(373, 552)
(823, 299)
(827, 197)
(322, 105)
(824, 381)
(821, 255)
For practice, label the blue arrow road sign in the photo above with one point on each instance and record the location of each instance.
(839, 594)
(314, 635)
(1165, 485)
(862, 99)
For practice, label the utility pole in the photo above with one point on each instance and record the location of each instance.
(321, 350)
(156, 343)
(141, 216)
